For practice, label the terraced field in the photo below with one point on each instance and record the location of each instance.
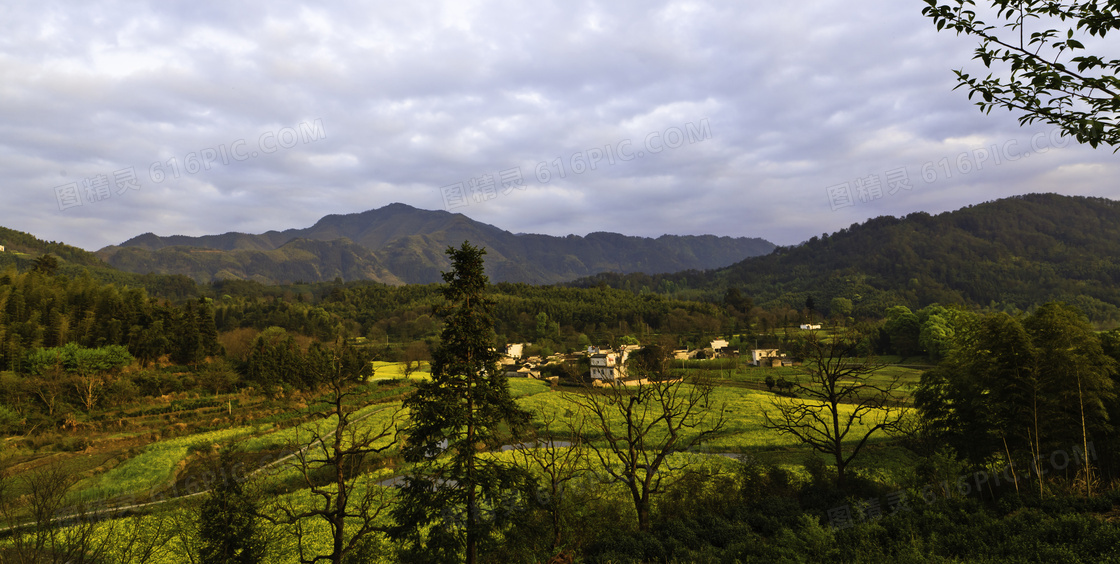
(170, 468)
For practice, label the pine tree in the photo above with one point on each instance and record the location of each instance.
(188, 342)
(226, 522)
(455, 416)
(207, 329)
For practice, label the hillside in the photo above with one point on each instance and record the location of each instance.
(23, 247)
(401, 244)
(1010, 253)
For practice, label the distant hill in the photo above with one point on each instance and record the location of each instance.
(1009, 253)
(21, 249)
(20, 246)
(401, 244)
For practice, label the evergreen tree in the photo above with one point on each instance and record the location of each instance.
(226, 522)
(207, 329)
(46, 264)
(461, 411)
(188, 341)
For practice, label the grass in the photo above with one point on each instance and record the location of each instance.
(395, 371)
(742, 408)
(524, 387)
(154, 467)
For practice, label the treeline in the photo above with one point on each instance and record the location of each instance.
(41, 310)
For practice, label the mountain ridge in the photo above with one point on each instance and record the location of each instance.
(398, 244)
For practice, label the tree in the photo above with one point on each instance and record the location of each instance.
(330, 465)
(46, 264)
(1016, 386)
(42, 527)
(634, 428)
(1045, 75)
(1077, 375)
(936, 334)
(414, 356)
(188, 348)
(463, 409)
(838, 404)
(903, 328)
(90, 371)
(227, 526)
(559, 462)
(840, 308)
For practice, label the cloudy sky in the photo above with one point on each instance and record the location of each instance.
(770, 119)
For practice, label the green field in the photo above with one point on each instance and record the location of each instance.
(736, 397)
(742, 409)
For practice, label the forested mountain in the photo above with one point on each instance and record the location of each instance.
(20, 246)
(1012, 253)
(401, 244)
(23, 252)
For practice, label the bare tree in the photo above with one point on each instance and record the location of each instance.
(638, 425)
(557, 457)
(350, 496)
(838, 402)
(45, 528)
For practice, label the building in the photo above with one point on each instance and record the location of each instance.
(609, 366)
(1, 248)
(810, 327)
(762, 357)
(719, 345)
(514, 350)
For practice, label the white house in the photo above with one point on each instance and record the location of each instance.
(1, 248)
(757, 356)
(514, 350)
(810, 327)
(609, 366)
(719, 344)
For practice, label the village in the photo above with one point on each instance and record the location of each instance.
(601, 366)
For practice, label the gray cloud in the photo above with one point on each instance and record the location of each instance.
(415, 97)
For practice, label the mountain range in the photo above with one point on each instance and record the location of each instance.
(1009, 254)
(400, 244)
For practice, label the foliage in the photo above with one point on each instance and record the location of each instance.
(465, 405)
(1040, 74)
(227, 522)
(1021, 387)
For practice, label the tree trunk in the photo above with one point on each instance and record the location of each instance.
(837, 447)
(1084, 440)
(472, 500)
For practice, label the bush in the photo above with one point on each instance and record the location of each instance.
(9, 420)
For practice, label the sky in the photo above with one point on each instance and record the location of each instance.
(748, 119)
